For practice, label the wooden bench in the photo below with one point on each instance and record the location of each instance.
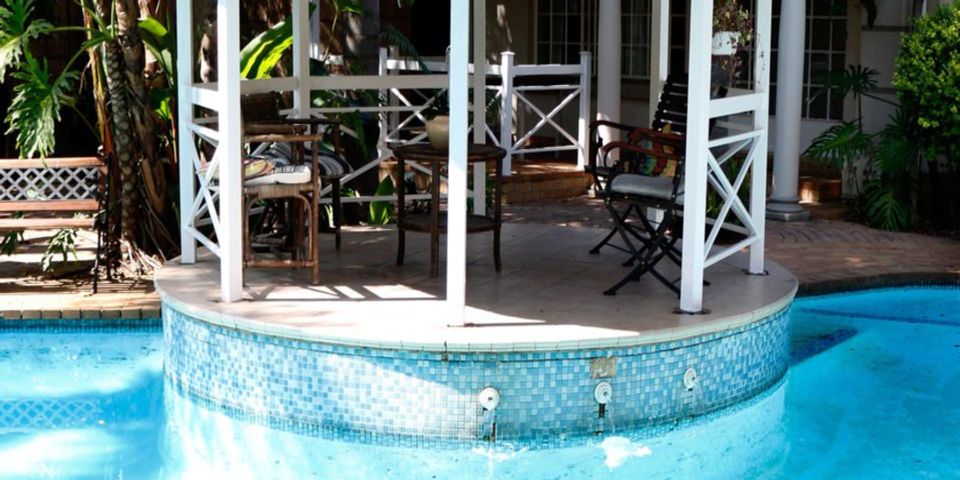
(50, 193)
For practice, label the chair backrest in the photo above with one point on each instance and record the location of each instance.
(260, 108)
(672, 109)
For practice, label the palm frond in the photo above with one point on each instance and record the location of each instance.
(887, 207)
(16, 31)
(36, 105)
(839, 144)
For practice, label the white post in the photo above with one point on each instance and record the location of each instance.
(316, 43)
(506, 109)
(583, 128)
(609, 42)
(761, 120)
(784, 203)
(659, 52)
(479, 102)
(695, 181)
(457, 176)
(301, 57)
(383, 149)
(230, 236)
(188, 244)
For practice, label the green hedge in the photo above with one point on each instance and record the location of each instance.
(927, 78)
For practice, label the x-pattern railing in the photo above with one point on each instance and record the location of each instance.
(729, 192)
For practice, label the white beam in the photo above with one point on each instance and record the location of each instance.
(583, 128)
(784, 203)
(480, 102)
(457, 176)
(659, 52)
(301, 56)
(761, 120)
(231, 181)
(609, 42)
(188, 244)
(695, 180)
(506, 109)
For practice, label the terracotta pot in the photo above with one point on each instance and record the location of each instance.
(725, 43)
(438, 131)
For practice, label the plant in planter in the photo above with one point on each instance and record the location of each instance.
(732, 30)
(438, 122)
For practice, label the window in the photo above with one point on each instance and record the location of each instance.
(826, 42)
(566, 27)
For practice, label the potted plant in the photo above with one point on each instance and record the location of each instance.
(438, 122)
(732, 27)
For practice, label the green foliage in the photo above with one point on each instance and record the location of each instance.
(927, 78)
(840, 144)
(16, 33)
(381, 213)
(260, 57)
(11, 240)
(62, 245)
(162, 45)
(36, 106)
(855, 80)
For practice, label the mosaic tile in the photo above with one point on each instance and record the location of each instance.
(413, 396)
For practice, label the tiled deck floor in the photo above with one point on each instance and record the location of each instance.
(815, 251)
(549, 295)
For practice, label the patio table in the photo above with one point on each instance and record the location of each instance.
(435, 222)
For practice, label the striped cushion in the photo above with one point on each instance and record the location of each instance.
(330, 163)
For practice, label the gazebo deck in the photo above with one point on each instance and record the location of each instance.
(548, 296)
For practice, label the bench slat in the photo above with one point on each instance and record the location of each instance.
(77, 162)
(17, 224)
(50, 206)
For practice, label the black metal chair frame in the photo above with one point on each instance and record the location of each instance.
(647, 243)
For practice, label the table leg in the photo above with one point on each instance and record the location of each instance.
(435, 220)
(401, 195)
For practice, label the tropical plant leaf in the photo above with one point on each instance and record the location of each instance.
(62, 244)
(161, 44)
(887, 208)
(390, 36)
(840, 144)
(36, 105)
(347, 6)
(16, 31)
(381, 212)
(259, 57)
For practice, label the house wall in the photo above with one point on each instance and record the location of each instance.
(512, 25)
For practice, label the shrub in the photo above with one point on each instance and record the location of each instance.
(927, 79)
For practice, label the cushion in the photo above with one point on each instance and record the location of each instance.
(329, 163)
(283, 175)
(644, 186)
(655, 166)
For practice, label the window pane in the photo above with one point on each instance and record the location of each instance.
(820, 35)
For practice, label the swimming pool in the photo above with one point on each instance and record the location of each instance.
(870, 393)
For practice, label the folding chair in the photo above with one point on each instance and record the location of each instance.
(649, 174)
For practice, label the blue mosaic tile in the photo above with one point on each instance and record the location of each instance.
(408, 396)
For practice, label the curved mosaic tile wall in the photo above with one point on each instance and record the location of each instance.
(366, 394)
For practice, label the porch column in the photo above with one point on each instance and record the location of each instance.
(230, 234)
(695, 178)
(457, 176)
(608, 65)
(784, 202)
(188, 244)
(659, 52)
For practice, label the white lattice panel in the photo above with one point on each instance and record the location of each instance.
(53, 183)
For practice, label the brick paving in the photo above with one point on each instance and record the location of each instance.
(818, 251)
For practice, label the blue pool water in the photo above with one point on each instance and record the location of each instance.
(872, 393)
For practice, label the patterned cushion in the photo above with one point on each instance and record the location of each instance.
(655, 166)
(330, 163)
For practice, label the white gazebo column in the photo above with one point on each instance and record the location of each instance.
(301, 56)
(609, 41)
(479, 102)
(230, 235)
(659, 52)
(457, 175)
(695, 177)
(188, 244)
(784, 202)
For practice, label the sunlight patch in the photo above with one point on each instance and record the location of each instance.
(620, 449)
